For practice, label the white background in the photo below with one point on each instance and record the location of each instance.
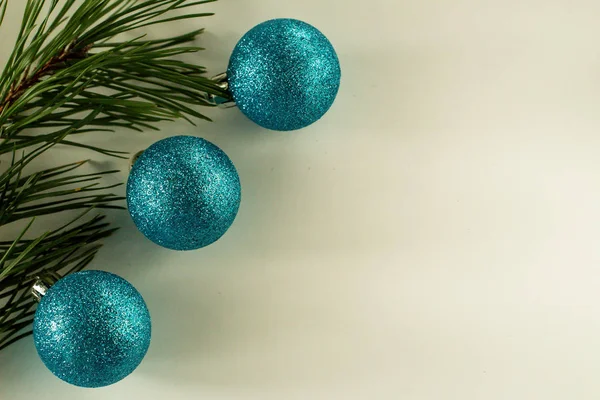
(435, 236)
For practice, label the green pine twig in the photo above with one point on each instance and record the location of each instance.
(72, 71)
(72, 64)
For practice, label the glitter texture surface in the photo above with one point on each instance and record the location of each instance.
(92, 329)
(183, 193)
(284, 74)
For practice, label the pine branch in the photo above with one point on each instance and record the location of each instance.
(72, 72)
(81, 69)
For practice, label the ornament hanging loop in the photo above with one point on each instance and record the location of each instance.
(39, 289)
(42, 283)
(134, 158)
(223, 83)
(221, 80)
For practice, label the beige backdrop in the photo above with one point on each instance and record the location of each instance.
(434, 237)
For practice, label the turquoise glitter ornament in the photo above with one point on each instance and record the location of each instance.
(183, 193)
(92, 329)
(284, 74)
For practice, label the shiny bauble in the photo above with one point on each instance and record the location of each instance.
(284, 74)
(92, 329)
(183, 193)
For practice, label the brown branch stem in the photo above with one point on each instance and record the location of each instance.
(67, 54)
